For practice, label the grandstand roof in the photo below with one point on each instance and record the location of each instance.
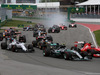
(90, 2)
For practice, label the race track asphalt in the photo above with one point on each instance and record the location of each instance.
(68, 37)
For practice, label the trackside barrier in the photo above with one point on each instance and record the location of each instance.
(20, 25)
(71, 21)
(29, 21)
(3, 23)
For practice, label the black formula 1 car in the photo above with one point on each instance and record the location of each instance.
(76, 55)
(42, 41)
(39, 27)
(54, 29)
(72, 25)
(57, 50)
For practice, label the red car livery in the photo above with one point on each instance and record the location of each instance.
(63, 27)
(88, 47)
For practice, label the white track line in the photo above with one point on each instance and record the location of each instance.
(87, 73)
(92, 36)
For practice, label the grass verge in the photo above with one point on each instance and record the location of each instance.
(15, 23)
(97, 35)
(31, 17)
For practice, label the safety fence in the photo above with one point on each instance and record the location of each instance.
(85, 16)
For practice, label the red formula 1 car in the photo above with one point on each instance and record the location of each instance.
(84, 46)
(62, 27)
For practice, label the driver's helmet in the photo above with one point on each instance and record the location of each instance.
(63, 44)
(44, 39)
(75, 45)
(14, 36)
(84, 42)
(39, 28)
(5, 30)
(90, 43)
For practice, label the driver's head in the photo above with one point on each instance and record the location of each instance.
(84, 42)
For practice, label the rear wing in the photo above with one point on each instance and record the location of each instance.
(17, 33)
(79, 42)
(43, 32)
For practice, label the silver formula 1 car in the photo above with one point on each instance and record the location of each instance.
(68, 54)
(16, 46)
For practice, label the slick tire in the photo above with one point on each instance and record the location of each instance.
(1, 38)
(34, 43)
(13, 48)
(49, 31)
(30, 48)
(66, 56)
(24, 38)
(3, 45)
(46, 51)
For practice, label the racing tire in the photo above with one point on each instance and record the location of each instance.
(89, 57)
(84, 53)
(30, 48)
(91, 51)
(49, 31)
(43, 46)
(40, 46)
(49, 37)
(34, 43)
(34, 34)
(66, 56)
(3, 45)
(69, 26)
(46, 51)
(1, 38)
(13, 48)
(57, 31)
(75, 26)
(24, 38)
(65, 28)
(23, 29)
